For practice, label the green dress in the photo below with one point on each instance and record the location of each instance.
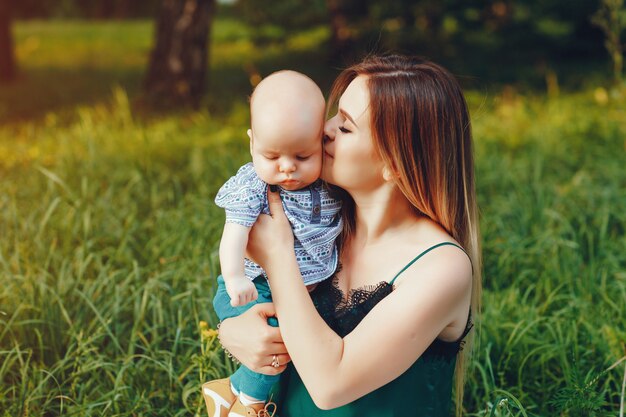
(424, 390)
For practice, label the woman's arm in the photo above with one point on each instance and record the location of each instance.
(390, 338)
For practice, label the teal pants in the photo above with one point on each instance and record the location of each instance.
(244, 380)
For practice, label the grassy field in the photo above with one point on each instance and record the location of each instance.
(108, 249)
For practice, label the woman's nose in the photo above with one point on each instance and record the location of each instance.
(330, 128)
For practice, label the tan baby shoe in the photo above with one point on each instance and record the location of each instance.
(253, 410)
(218, 397)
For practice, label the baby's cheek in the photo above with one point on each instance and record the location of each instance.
(264, 170)
(317, 167)
(311, 171)
(319, 160)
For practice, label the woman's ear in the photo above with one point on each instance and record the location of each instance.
(389, 174)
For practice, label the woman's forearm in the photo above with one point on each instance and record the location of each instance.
(315, 349)
(252, 341)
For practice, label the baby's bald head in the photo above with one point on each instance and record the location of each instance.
(287, 103)
(287, 112)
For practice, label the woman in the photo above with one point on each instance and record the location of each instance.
(400, 149)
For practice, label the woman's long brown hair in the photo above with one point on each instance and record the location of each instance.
(421, 129)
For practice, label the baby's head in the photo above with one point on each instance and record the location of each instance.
(287, 115)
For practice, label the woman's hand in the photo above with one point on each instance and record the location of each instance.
(253, 342)
(271, 237)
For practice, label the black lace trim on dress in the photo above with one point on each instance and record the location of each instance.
(344, 313)
(341, 313)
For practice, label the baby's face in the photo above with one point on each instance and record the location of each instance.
(291, 159)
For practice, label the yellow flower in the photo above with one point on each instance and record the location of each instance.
(33, 152)
(203, 325)
(208, 334)
(601, 96)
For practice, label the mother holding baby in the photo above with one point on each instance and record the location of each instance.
(384, 336)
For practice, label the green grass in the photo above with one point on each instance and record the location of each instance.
(108, 254)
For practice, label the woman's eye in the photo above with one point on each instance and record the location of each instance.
(343, 129)
(302, 158)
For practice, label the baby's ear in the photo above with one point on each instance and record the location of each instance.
(249, 132)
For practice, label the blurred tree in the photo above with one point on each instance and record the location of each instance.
(500, 40)
(7, 59)
(343, 16)
(178, 63)
(278, 22)
(497, 40)
(611, 18)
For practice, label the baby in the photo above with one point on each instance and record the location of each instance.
(287, 118)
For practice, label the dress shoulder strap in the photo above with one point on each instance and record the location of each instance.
(424, 253)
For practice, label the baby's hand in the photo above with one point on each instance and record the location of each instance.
(241, 291)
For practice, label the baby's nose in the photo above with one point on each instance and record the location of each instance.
(287, 166)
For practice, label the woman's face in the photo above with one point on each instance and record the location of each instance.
(350, 160)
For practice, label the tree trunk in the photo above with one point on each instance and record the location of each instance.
(348, 22)
(339, 31)
(178, 64)
(122, 10)
(7, 59)
(104, 10)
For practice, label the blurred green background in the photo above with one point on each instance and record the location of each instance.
(109, 234)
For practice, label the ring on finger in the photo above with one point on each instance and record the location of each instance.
(275, 362)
